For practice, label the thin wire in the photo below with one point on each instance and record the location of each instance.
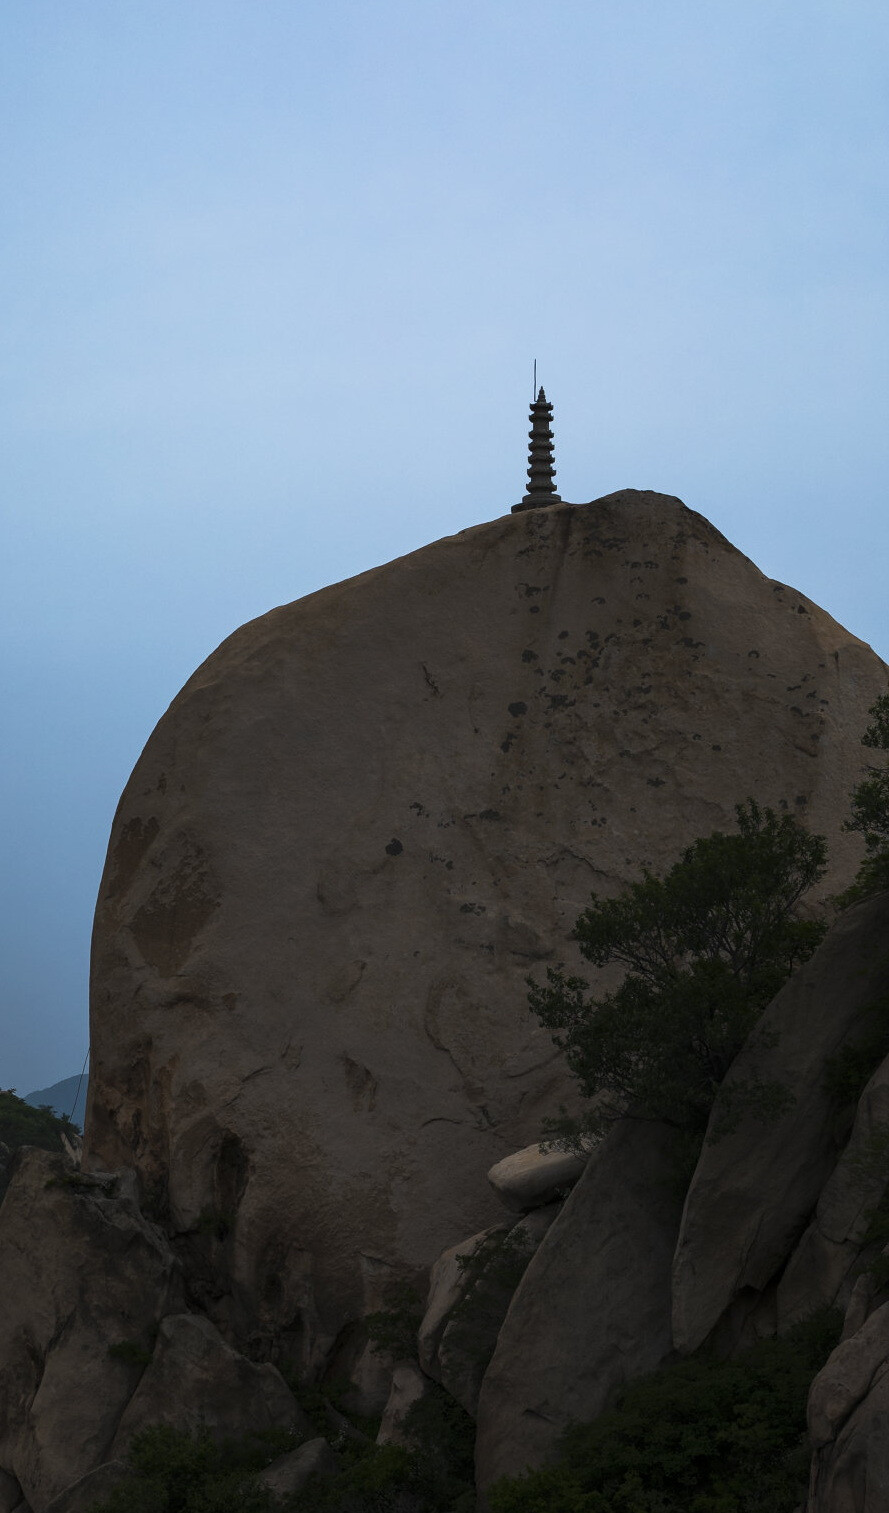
(77, 1094)
(534, 387)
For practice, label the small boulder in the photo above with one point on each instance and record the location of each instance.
(409, 1386)
(197, 1380)
(290, 1473)
(531, 1178)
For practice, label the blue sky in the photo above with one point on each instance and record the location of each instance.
(273, 278)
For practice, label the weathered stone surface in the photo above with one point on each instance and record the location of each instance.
(409, 1386)
(593, 1308)
(289, 1473)
(754, 1190)
(361, 823)
(818, 1273)
(531, 1177)
(82, 1271)
(89, 1489)
(196, 1380)
(849, 1423)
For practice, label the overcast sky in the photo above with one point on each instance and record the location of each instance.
(274, 273)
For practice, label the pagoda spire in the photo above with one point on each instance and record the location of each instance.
(541, 471)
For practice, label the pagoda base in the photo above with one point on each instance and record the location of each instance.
(537, 503)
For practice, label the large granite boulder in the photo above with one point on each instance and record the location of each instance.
(361, 823)
(754, 1191)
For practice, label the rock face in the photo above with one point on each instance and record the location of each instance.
(361, 823)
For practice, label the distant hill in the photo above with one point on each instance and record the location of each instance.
(61, 1099)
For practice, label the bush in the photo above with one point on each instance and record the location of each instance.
(173, 1471)
(433, 1474)
(21, 1124)
(706, 948)
(703, 1436)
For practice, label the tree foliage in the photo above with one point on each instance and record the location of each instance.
(870, 809)
(22, 1124)
(703, 1436)
(705, 947)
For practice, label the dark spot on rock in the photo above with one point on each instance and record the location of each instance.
(715, 748)
(801, 799)
(562, 635)
(681, 580)
(753, 654)
(655, 782)
(534, 610)
(489, 814)
(529, 656)
(394, 847)
(685, 614)
(801, 609)
(518, 708)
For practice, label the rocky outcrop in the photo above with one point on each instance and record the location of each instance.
(361, 823)
(848, 1413)
(290, 1473)
(593, 1308)
(820, 1271)
(195, 1380)
(99, 1277)
(754, 1191)
(94, 1342)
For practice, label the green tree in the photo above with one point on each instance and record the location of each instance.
(870, 810)
(701, 1436)
(21, 1124)
(705, 947)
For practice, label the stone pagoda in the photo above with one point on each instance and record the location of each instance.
(541, 471)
